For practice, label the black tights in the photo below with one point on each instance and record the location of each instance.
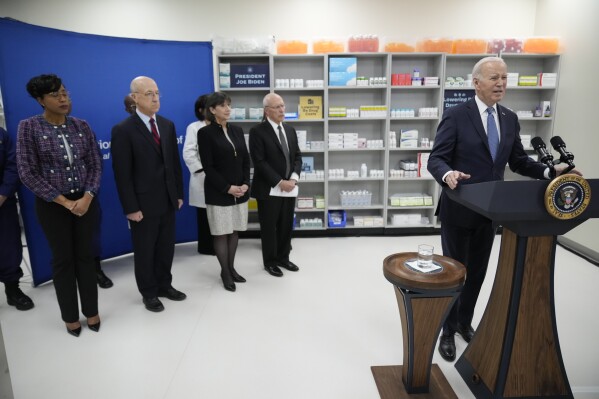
(225, 247)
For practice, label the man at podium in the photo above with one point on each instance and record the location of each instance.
(473, 144)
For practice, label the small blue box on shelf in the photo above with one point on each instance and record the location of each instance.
(337, 219)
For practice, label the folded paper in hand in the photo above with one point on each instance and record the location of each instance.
(277, 192)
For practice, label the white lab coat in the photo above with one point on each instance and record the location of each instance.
(191, 156)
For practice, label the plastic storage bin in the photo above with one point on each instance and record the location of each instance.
(434, 46)
(399, 47)
(292, 47)
(327, 46)
(469, 46)
(543, 45)
(337, 219)
(363, 43)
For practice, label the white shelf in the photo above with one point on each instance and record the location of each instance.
(233, 89)
(347, 179)
(416, 118)
(282, 89)
(303, 120)
(420, 149)
(332, 118)
(354, 208)
(357, 87)
(406, 87)
(315, 67)
(403, 208)
(410, 179)
(355, 149)
(536, 119)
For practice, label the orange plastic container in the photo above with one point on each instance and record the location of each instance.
(469, 46)
(292, 47)
(398, 47)
(363, 43)
(327, 46)
(546, 45)
(434, 46)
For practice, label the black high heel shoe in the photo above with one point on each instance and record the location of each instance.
(237, 277)
(94, 327)
(75, 332)
(227, 283)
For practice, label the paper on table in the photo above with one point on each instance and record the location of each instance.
(413, 263)
(277, 192)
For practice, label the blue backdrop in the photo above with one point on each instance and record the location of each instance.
(97, 70)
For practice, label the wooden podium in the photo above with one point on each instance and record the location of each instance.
(515, 352)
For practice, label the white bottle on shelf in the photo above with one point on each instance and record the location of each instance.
(364, 170)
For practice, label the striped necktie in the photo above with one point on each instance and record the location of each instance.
(155, 132)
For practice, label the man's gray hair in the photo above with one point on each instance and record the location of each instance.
(476, 71)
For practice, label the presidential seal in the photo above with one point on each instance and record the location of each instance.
(567, 196)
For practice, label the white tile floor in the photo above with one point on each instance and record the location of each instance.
(311, 334)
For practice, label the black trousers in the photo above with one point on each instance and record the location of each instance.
(153, 252)
(276, 223)
(472, 247)
(70, 238)
(11, 248)
(205, 239)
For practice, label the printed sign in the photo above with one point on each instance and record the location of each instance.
(250, 75)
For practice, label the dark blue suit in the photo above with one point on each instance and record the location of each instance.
(11, 249)
(461, 144)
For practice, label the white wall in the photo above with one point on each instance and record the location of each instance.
(291, 19)
(573, 20)
(576, 22)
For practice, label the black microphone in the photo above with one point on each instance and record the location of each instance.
(544, 156)
(565, 156)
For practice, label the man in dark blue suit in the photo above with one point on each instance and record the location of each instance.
(474, 142)
(11, 249)
(147, 172)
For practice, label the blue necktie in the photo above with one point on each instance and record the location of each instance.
(492, 133)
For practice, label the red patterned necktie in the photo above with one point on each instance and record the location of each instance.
(155, 132)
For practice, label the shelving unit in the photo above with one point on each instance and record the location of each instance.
(316, 67)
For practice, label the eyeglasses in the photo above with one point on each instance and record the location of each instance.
(57, 94)
(150, 94)
(281, 106)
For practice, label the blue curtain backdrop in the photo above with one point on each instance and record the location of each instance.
(97, 70)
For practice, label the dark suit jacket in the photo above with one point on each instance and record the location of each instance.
(148, 178)
(461, 144)
(224, 165)
(268, 158)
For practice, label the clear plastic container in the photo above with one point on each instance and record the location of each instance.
(363, 43)
(321, 46)
(439, 45)
(543, 45)
(469, 46)
(399, 47)
(292, 47)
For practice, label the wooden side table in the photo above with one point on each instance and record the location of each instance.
(424, 300)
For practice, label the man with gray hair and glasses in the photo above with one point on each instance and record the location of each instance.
(147, 171)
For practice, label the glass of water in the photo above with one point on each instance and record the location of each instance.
(425, 255)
